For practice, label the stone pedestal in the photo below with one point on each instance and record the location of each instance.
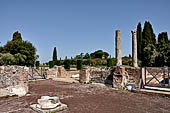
(48, 105)
(84, 75)
(134, 49)
(118, 48)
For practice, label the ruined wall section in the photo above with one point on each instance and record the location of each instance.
(124, 75)
(13, 80)
(93, 74)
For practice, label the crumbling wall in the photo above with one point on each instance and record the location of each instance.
(120, 77)
(124, 75)
(56, 71)
(13, 80)
(93, 74)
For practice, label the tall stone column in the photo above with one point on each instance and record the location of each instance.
(118, 48)
(134, 49)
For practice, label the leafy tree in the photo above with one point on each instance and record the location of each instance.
(99, 54)
(6, 59)
(86, 56)
(150, 53)
(81, 55)
(55, 55)
(110, 62)
(139, 41)
(17, 36)
(98, 61)
(105, 55)
(19, 59)
(24, 50)
(78, 57)
(87, 62)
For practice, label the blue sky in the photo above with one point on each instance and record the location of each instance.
(75, 26)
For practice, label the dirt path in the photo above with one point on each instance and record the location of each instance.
(88, 98)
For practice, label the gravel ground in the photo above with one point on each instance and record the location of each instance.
(89, 98)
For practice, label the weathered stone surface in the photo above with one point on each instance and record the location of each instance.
(118, 48)
(48, 104)
(85, 75)
(13, 80)
(134, 49)
(93, 74)
(57, 71)
(124, 75)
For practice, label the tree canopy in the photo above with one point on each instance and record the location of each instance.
(24, 52)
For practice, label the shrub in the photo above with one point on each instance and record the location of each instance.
(67, 64)
(58, 63)
(37, 64)
(79, 64)
(125, 63)
(51, 64)
(110, 62)
(93, 63)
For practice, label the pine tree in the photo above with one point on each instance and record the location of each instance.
(55, 55)
(139, 41)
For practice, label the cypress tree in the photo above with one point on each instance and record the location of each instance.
(162, 37)
(163, 50)
(148, 39)
(148, 36)
(139, 41)
(55, 55)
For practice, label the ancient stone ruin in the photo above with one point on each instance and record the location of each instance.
(47, 104)
(13, 80)
(93, 74)
(119, 77)
(56, 71)
(125, 75)
(118, 50)
(134, 49)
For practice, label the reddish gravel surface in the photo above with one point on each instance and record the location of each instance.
(87, 98)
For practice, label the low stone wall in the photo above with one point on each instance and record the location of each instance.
(93, 74)
(13, 80)
(120, 77)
